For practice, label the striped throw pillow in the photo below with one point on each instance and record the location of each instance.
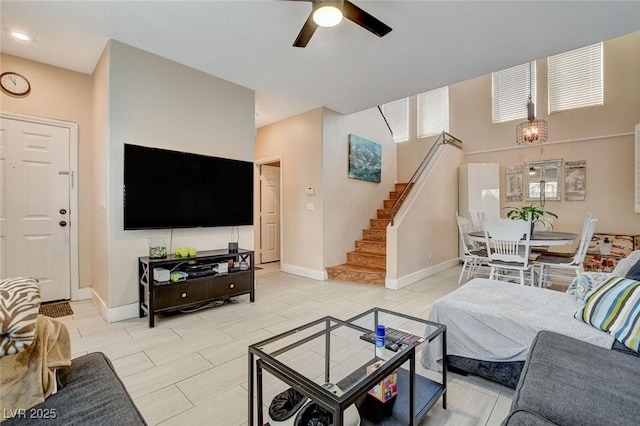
(614, 307)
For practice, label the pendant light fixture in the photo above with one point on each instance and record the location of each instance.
(532, 130)
(327, 13)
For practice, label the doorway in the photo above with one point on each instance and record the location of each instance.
(38, 204)
(270, 212)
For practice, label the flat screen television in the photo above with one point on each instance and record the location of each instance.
(171, 189)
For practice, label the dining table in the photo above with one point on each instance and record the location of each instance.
(538, 238)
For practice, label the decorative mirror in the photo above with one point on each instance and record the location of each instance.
(543, 180)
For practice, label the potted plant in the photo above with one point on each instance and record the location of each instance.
(537, 214)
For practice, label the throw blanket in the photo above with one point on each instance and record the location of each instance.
(19, 304)
(497, 321)
(28, 377)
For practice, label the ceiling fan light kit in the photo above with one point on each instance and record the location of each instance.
(327, 14)
(338, 9)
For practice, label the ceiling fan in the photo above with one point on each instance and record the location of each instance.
(327, 13)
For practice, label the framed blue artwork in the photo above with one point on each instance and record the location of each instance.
(365, 159)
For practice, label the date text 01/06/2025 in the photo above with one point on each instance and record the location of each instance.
(31, 413)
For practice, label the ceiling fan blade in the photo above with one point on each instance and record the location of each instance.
(365, 20)
(306, 32)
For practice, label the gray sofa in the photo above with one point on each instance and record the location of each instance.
(89, 393)
(569, 382)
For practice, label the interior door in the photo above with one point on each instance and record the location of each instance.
(269, 214)
(34, 205)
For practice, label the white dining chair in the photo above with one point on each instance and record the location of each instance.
(561, 267)
(508, 248)
(478, 220)
(541, 226)
(475, 256)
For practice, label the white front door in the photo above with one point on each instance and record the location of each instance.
(269, 214)
(34, 205)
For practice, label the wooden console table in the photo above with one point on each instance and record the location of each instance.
(161, 296)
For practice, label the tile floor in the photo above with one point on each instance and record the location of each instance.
(191, 369)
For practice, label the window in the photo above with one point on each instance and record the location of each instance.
(433, 112)
(575, 78)
(397, 115)
(511, 92)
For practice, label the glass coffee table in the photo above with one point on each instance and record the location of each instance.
(326, 362)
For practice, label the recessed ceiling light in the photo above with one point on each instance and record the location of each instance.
(20, 36)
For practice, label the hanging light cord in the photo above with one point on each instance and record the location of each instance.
(530, 88)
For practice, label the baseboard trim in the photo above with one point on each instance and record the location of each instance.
(84, 293)
(398, 283)
(304, 272)
(119, 313)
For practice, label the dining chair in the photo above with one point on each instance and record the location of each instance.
(475, 256)
(562, 267)
(478, 220)
(541, 226)
(508, 247)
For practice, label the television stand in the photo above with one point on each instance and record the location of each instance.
(163, 296)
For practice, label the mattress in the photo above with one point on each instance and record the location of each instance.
(496, 321)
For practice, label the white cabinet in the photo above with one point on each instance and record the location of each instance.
(479, 190)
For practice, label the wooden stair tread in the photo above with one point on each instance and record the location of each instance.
(376, 242)
(374, 255)
(357, 274)
(348, 266)
(361, 258)
(371, 246)
(383, 213)
(379, 223)
(374, 235)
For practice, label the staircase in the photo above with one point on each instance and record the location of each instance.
(368, 263)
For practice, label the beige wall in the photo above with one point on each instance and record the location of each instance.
(418, 243)
(100, 167)
(350, 203)
(66, 95)
(298, 141)
(609, 158)
(156, 102)
(314, 151)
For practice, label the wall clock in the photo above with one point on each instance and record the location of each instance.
(14, 84)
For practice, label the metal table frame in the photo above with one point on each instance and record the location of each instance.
(258, 360)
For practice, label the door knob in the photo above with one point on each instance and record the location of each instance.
(62, 223)
(63, 211)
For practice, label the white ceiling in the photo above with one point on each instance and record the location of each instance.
(345, 68)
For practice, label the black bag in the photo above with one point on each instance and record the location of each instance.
(375, 410)
(286, 404)
(314, 415)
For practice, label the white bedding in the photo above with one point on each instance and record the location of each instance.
(497, 321)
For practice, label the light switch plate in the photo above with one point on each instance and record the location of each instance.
(311, 206)
(309, 190)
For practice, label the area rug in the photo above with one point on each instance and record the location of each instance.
(56, 309)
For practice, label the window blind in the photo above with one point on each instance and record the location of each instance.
(510, 92)
(433, 112)
(397, 115)
(575, 78)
